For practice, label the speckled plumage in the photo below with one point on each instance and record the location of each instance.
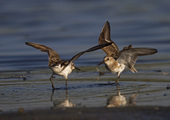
(116, 61)
(58, 66)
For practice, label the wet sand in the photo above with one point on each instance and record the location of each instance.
(96, 113)
(83, 90)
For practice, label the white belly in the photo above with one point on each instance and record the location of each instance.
(118, 69)
(59, 70)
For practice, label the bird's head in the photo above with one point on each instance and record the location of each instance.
(107, 60)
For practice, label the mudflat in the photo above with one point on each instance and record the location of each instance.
(94, 113)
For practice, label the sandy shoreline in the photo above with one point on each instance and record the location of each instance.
(100, 113)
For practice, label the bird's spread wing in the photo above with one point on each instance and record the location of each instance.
(53, 56)
(89, 50)
(111, 50)
(128, 55)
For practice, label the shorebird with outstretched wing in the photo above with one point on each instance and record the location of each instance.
(59, 66)
(116, 61)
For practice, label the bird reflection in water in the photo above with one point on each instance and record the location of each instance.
(64, 103)
(119, 100)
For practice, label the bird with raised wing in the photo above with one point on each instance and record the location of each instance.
(116, 61)
(62, 67)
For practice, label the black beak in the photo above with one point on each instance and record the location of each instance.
(77, 68)
(101, 63)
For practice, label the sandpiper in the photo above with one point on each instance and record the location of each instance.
(62, 67)
(116, 61)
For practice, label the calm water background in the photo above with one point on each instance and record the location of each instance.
(70, 26)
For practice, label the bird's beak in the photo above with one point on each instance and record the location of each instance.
(77, 68)
(101, 63)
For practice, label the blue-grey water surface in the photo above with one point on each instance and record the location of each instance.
(69, 27)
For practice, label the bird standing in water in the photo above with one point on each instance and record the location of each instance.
(116, 61)
(62, 67)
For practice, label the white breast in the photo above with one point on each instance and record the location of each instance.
(117, 69)
(59, 70)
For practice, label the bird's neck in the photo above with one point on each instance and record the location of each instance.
(113, 63)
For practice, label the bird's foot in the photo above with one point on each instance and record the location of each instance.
(53, 87)
(100, 72)
(56, 89)
(117, 83)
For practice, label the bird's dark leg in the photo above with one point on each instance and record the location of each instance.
(52, 81)
(66, 85)
(117, 80)
(66, 90)
(52, 94)
(100, 72)
(118, 87)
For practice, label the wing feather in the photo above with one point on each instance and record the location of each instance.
(53, 55)
(89, 50)
(128, 55)
(111, 50)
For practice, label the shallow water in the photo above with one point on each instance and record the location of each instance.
(70, 27)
